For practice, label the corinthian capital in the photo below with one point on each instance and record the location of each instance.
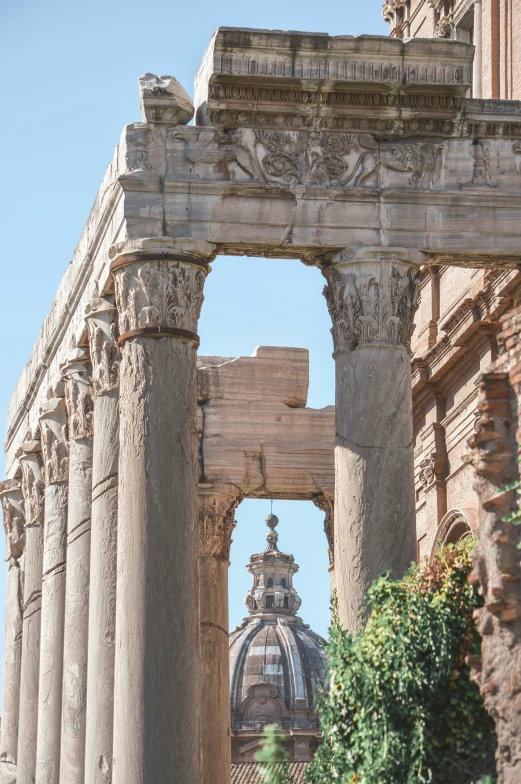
(14, 521)
(53, 424)
(101, 317)
(326, 502)
(217, 507)
(372, 295)
(33, 485)
(78, 394)
(159, 287)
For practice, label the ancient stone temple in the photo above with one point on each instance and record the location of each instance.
(127, 454)
(277, 664)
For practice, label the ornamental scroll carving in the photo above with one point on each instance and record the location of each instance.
(216, 521)
(159, 294)
(78, 397)
(12, 508)
(373, 304)
(33, 486)
(309, 158)
(53, 424)
(326, 502)
(101, 318)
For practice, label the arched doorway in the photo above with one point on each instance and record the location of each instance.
(454, 527)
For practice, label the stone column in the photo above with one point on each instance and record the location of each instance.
(104, 352)
(216, 515)
(78, 400)
(477, 71)
(12, 506)
(53, 423)
(371, 296)
(159, 293)
(33, 488)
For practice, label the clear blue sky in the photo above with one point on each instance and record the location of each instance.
(70, 74)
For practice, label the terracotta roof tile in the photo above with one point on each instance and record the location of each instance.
(248, 772)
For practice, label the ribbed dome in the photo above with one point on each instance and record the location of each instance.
(277, 664)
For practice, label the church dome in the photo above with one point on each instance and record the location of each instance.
(277, 664)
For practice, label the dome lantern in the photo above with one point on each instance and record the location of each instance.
(277, 664)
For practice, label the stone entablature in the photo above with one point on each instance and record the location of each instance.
(365, 174)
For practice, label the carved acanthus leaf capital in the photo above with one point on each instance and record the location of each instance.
(159, 287)
(14, 520)
(216, 520)
(76, 373)
(54, 428)
(33, 485)
(101, 318)
(372, 296)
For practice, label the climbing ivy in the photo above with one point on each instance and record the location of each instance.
(400, 708)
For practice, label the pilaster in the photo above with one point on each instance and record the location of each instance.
(372, 295)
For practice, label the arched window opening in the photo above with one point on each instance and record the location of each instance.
(269, 584)
(283, 582)
(286, 602)
(454, 528)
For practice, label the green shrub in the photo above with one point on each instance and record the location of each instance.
(274, 758)
(400, 708)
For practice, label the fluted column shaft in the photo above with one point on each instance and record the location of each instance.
(101, 317)
(216, 518)
(371, 296)
(78, 399)
(156, 728)
(33, 489)
(53, 423)
(12, 507)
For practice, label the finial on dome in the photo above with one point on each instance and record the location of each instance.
(272, 536)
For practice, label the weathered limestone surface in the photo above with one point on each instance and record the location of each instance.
(216, 518)
(259, 436)
(157, 516)
(53, 422)
(371, 296)
(101, 317)
(33, 488)
(76, 374)
(14, 526)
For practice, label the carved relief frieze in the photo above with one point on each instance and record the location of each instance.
(374, 304)
(101, 318)
(14, 520)
(315, 159)
(33, 485)
(216, 523)
(54, 428)
(159, 294)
